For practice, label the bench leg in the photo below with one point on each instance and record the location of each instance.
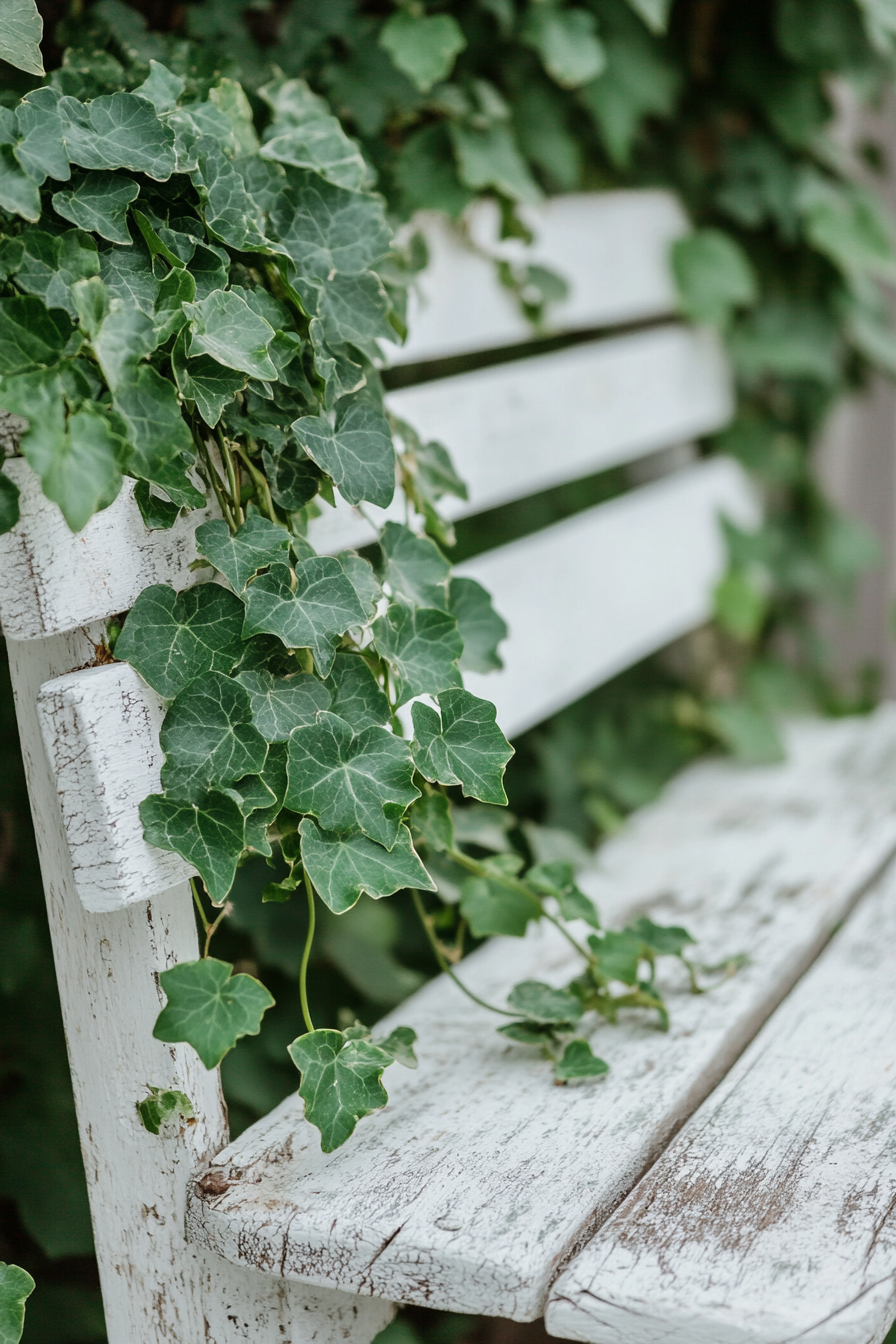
(155, 1286)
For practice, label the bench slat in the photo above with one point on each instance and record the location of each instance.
(481, 1178)
(592, 595)
(612, 249)
(523, 427)
(771, 1216)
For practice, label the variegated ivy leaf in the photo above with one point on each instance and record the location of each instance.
(118, 130)
(163, 1105)
(173, 637)
(294, 479)
(225, 327)
(357, 695)
(341, 1080)
(579, 1061)
(210, 1008)
(16, 1285)
(161, 87)
(542, 1004)
(305, 134)
(326, 229)
(128, 276)
(422, 647)
(256, 545)
(311, 613)
(209, 834)
(350, 780)
(343, 866)
(464, 746)
(99, 203)
(414, 567)
(355, 449)
(280, 704)
(209, 738)
(481, 628)
(230, 212)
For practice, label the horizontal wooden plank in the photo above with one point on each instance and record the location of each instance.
(100, 728)
(592, 595)
(520, 428)
(773, 1214)
(480, 1179)
(55, 580)
(611, 247)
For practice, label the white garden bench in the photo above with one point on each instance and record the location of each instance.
(730, 1182)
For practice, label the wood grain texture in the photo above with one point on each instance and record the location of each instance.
(606, 587)
(526, 426)
(155, 1286)
(100, 728)
(611, 247)
(480, 1179)
(55, 580)
(772, 1216)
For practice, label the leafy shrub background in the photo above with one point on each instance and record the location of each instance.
(728, 104)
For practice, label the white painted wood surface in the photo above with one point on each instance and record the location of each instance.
(155, 1286)
(611, 247)
(55, 580)
(100, 727)
(772, 1216)
(480, 1179)
(522, 427)
(594, 594)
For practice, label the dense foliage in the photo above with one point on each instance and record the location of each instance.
(197, 263)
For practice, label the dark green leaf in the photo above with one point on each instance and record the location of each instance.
(99, 204)
(210, 1008)
(176, 290)
(9, 503)
(52, 264)
(21, 29)
(491, 158)
(205, 381)
(225, 327)
(667, 940)
(128, 275)
(351, 780)
(481, 628)
(540, 1003)
(280, 704)
(173, 637)
(327, 229)
(357, 695)
(423, 47)
(343, 866)
(312, 614)
(230, 212)
(209, 738)
(557, 879)
(465, 746)
(158, 432)
(256, 545)
(209, 834)
(567, 42)
(19, 193)
(491, 908)
(527, 1033)
(30, 336)
(161, 1106)
(157, 513)
(421, 647)
(124, 337)
(431, 822)
(400, 1045)
(340, 1082)
(356, 450)
(414, 567)
(118, 130)
(16, 1285)
(360, 575)
(293, 477)
(714, 276)
(578, 1061)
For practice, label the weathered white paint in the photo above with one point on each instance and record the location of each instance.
(611, 247)
(100, 728)
(525, 426)
(155, 1286)
(592, 595)
(773, 1214)
(480, 1179)
(55, 580)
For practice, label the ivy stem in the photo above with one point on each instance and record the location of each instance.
(208, 926)
(230, 467)
(512, 884)
(260, 482)
(306, 955)
(445, 965)
(214, 480)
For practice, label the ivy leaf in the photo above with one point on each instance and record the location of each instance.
(161, 1106)
(16, 1285)
(280, 704)
(158, 514)
(230, 212)
(294, 479)
(357, 695)
(205, 381)
(431, 822)
(464, 747)
(351, 780)
(481, 628)
(128, 276)
(578, 1061)
(84, 474)
(19, 193)
(666, 940)
(209, 834)
(159, 435)
(21, 29)
(99, 204)
(423, 47)
(210, 1008)
(30, 336)
(178, 288)
(714, 276)
(118, 130)
(421, 647)
(414, 567)
(490, 157)
(313, 615)
(340, 1082)
(567, 42)
(41, 149)
(170, 638)
(618, 954)
(342, 867)
(326, 229)
(542, 1004)
(225, 327)
(52, 265)
(557, 879)
(360, 575)
(400, 1045)
(257, 544)
(655, 13)
(356, 450)
(121, 337)
(305, 134)
(9, 504)
(491, 908)
(355, 309)
(161, 87)
(209, 738)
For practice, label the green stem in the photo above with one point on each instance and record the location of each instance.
(260, 482)
(214, 479)
(512, 884)
(230, 467)
(446, 966)
(303, 971)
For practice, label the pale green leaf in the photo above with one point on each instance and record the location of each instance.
(225, 327)
(423, 47)
(280, 704)
(714, 276)
(360, 575)
(422, 647)
(344, 866)
(655, 13)
(490, 157)
(311, 614)
(414, 567)
(124, 337)
(209, 738)
(178, 288)
(305, 134)
(557, 879)
(209, 834)
(19, 193)
(128, 276)
(481, 628)
(542, 1004)
(465, 746)
(118, 130)
(158, 432)
(355, 309)
(99, 203)
(491, 908)
(52, 264)
(170, 638)
(356, 450)
(21, 30)
(41, 149)
(162, 87)
(16, 1285)
(340, 1082)
(326, 229)
(567, 42)
(257, 544)
(431, 822)
(578, 1060)
(85, 474)
(230, 212)
(210, 1008)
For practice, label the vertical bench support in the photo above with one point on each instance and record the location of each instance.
(155, 1286)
